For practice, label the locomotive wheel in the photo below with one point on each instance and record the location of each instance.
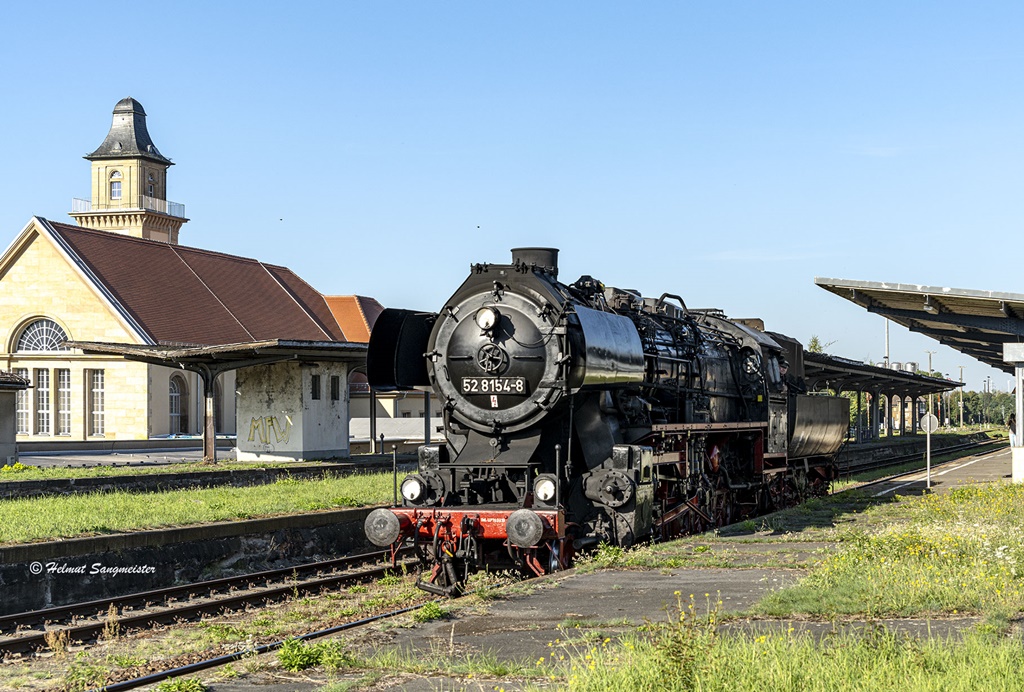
(724, 508)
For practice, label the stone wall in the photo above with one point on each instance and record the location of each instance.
(41, 575)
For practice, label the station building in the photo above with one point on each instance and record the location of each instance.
(121, 277)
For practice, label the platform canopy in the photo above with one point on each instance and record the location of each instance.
(211, 361)
(229, 356)
(842, 374)
(976, 323)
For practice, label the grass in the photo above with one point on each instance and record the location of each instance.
(26, 472)
(960, 552)
(34, 519)
(678, 656)
(181, 685)
(430, 611)
(936, 555)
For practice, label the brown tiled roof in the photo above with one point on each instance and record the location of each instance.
(311, 300)
(355, 314)
(183, 295)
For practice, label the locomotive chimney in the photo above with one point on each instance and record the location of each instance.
(544, 257)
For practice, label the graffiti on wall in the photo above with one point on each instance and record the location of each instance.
(269, 430)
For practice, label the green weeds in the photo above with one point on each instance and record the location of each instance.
(181, 685)
(960, 552)
(689, 652)
(296, 655)
(430, 611)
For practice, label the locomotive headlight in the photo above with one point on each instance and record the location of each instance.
(544, 489)
(486, 318)
(412, 488)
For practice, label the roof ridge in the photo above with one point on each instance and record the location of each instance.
(121, 236)
(359, 308)
(312, 288)
(295, 300)
(211, 291)
(362, 310)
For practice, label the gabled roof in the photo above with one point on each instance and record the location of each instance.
(356, 315)
(183, 295)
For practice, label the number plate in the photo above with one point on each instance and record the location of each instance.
(514, 386)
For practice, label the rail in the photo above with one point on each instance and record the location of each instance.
(198, 666)
(26, 632)
(851, 469)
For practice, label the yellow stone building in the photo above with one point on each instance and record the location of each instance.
(48, 295)
(120, 277)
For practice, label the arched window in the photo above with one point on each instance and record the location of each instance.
(115, 185)
(178, 405)
(42, 335)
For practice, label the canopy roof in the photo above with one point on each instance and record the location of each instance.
(821, 370)
(230, 356)
(976, 323)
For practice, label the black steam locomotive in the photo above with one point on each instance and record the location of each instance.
(582, 413)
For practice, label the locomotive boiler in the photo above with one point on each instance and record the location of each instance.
(579, 413)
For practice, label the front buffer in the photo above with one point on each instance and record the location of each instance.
(453, 542)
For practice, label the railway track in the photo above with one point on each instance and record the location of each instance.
(198, 666)
(903, 458)
(935, 465)
(28, 632)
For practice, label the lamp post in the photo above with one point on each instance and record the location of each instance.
(930, 353)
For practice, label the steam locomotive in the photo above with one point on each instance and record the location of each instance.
(581, 413)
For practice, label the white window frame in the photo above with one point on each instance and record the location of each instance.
(115, 185)
(95, 393)
(23, 406)
(42, 335)
(174, 402)
(44, 409)
(63, 401)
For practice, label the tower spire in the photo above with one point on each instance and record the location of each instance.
(129, 136)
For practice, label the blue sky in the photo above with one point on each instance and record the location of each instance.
(727, 152)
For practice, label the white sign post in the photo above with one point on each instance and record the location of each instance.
(930, 424)
(1014, 354)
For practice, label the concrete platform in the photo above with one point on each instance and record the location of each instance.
(983, 468)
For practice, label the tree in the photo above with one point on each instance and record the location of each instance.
(814, 345)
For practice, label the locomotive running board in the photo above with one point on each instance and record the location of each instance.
(702, 427)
